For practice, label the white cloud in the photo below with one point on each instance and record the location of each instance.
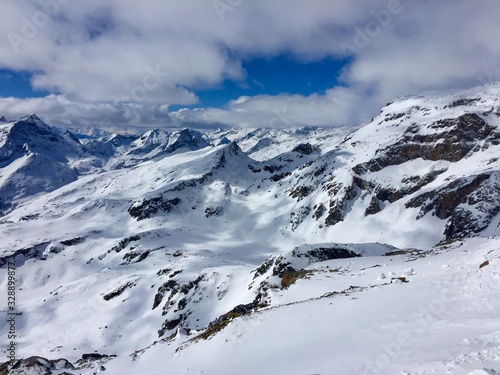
(100, 57)
(336, 107)
(58, 110)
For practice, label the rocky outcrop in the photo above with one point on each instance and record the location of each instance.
(222, 321)
(383, 194)
(449, 139)
(291, 266)
(118, 291)
(124, 243)
(42, 366)
(36, 365)
(20, 256)
(443, 202)
(151, 206)
(305, 149)
(469, 204)
(181, 295)
(300, 192)
(296, 218)
(337, 211)
(214, 211)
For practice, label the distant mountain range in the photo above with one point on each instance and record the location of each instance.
(125, 239)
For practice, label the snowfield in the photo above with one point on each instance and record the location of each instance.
(350, 318)
(265, 251)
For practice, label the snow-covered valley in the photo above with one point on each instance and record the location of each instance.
(370, 250)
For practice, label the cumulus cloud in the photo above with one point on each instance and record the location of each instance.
(58, 110)
(337, 107)
(124, 62)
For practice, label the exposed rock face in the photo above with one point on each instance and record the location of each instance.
(214, 211)
(291, 266)
(320, 209)
(450, 139)
(118, 291)
(374, 207)
(22, 255)
(316, 254)
(43, 366)
(468, 203)
(436, 144)
(223, 320)
(36, 365)
(300, 192)
(124, 243)
(444, 201)
(305, 148)
(152, 206)
(175, 306)
(298, 217)
(170, 285)
(187, 139)
(343, 195)
(262, 143)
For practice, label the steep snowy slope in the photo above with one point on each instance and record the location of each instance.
(425, 168)
(33, 134)
(34, 159)
(175, 249)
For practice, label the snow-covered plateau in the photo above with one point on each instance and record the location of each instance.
(356, 250)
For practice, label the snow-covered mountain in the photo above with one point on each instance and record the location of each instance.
(296, 251)
(33, 159)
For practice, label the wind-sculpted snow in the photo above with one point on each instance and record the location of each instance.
(317, 247)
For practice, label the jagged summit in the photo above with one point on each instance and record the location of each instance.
(223, 141)
(187, 139)
(38, 136)
(33, 118)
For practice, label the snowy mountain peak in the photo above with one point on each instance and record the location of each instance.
(68, 135)
(39, 136)
(234, 149)
(187, 139)
(33, 117)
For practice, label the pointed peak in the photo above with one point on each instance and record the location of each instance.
(229, 152)
(33, 117)
(223, 141)
(71, 136)
(187, 139)
(35, 120)
(234, 148)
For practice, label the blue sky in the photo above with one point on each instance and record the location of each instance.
(273, 76)
(183, 63)
(264, 76)
(18, 84)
